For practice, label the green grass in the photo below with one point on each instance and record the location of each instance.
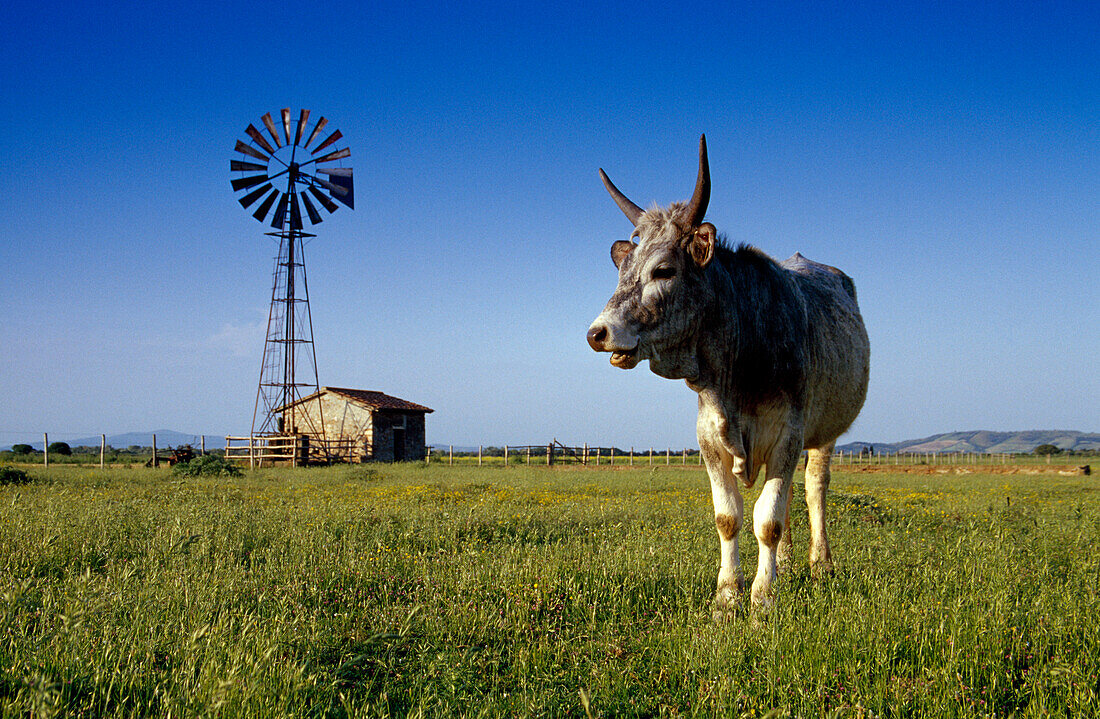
(465, 591)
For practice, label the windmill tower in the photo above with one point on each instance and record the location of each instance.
(282, 171)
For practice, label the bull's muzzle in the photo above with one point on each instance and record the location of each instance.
(602, 339)
(597, 335)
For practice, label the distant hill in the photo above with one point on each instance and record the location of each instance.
(165, 438)
(985, 441)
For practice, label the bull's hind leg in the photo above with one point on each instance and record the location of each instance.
(783, 552)
(817, 486)
(769, 516)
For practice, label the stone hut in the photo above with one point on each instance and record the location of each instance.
(361, 425)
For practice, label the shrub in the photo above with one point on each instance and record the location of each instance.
(1047, 449)
(60, 448)
(11, 475)
(207, 465)
(22, 449)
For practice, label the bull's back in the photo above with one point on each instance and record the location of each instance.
(838, 350)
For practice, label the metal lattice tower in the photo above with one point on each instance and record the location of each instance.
(289, 368)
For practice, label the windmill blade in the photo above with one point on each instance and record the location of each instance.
(323, 199)
(332, 187)
(331, 139)
(314, 215)
(341, 189)
(254, 195)
(243, 182)
(295, 212)
(336, 155)
(302, 117)
(347, 196)
(320, 124)
(239, 166)
(259, 139)
(261, 211)
(250, 151)
(280, 214)
(341, 171)
(270, 124)
(286, 124)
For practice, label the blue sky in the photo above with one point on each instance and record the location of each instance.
(946, 157)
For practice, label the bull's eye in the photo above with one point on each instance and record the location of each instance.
(664, 273)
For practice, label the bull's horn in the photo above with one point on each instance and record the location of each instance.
(697, 208)
(632, 211)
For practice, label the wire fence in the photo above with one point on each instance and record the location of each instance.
(98, 451)
(555, 452)
(551, 453)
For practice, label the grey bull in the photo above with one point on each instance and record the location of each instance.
(776, 351)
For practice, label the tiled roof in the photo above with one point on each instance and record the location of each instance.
(377, 400)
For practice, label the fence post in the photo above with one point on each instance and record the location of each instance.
(479, 455)
(450, 454)
(685, 456)
(528, 455)
(668, 456)
(611, 457)
(599, 451)
(155, 464)
(584, 454)
(549, 454)
(45, 449)
(202, 445)
(651, 456)
(632, 456)
(505, 455)
(102, 448)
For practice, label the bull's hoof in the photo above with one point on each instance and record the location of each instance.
(762, 597)
(821, 568)
(726, 603)
(726, 614)
(783, 558)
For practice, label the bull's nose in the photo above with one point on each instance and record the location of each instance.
(596, 336)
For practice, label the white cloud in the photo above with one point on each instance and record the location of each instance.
(238, 340)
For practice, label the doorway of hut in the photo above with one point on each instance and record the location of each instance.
(398, 444)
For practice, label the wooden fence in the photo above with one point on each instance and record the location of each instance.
(293, 449)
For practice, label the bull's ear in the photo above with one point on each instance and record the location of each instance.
(620, 249)
(702, 244)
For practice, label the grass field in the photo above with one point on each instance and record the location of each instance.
(465, 591)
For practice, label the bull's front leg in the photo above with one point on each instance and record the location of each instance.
(770, 516)
(729, 512)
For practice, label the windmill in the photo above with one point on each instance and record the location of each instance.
(282, 171)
